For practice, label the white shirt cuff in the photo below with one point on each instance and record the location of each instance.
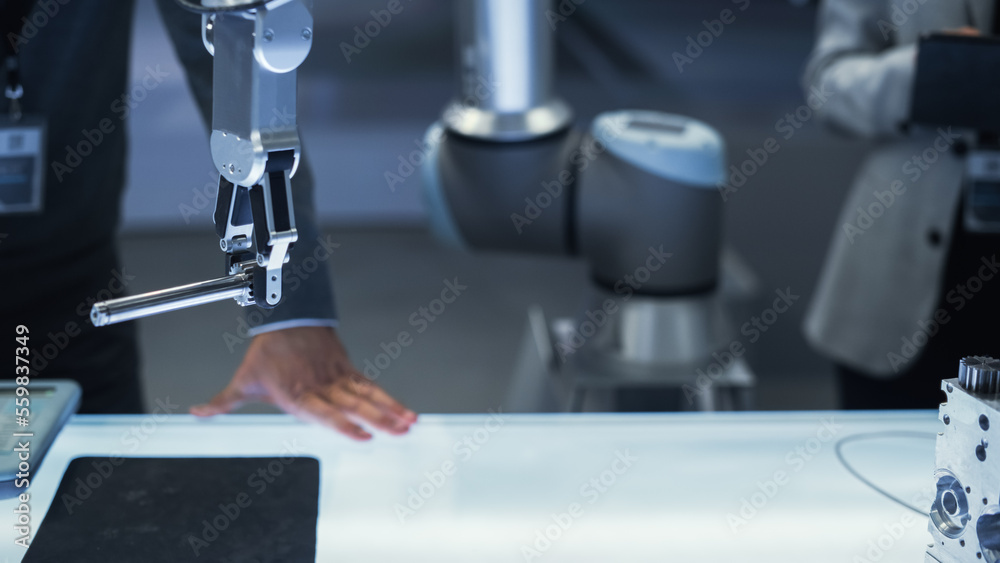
(293, 323)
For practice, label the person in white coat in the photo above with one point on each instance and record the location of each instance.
(906, 291)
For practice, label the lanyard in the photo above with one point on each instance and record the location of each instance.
(12, 15)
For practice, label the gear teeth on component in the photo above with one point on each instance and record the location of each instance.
(979, 374)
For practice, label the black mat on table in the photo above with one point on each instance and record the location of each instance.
(168, 509)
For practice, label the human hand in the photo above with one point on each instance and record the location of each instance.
(306, 372)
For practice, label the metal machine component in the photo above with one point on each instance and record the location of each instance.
(965, 513)
(258, 47)
(979, 374)
(507, 58)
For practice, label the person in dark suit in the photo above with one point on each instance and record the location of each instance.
(55, 263)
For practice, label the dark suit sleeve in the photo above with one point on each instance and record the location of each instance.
(308, 297)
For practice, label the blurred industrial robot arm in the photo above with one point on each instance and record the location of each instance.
(509, 172)
(635, 195)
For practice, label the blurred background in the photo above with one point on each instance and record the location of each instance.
(359, 117)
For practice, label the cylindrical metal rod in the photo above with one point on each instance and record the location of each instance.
(148, 304)
(506, 51)
(510, 43)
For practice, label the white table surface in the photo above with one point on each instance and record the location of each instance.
(690, 472)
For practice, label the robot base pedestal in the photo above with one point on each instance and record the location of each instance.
(631, 342)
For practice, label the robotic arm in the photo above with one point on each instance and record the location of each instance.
(506, 170)
(258, 47)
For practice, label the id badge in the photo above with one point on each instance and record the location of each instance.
(22, 165)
